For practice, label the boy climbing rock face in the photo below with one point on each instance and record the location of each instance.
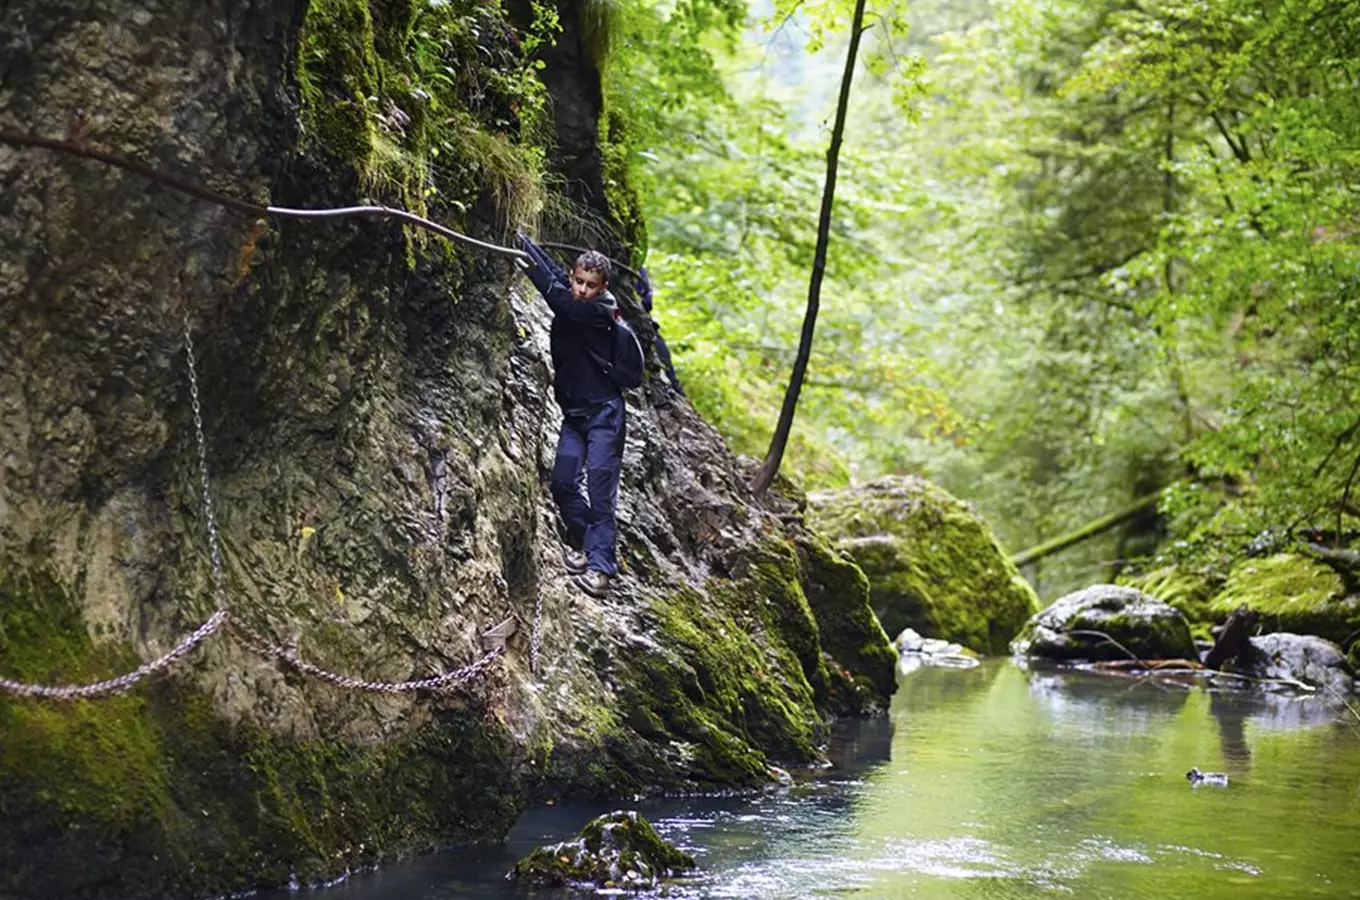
(584, 342)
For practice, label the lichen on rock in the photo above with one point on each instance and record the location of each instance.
(933, 564)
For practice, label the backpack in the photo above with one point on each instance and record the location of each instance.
(625, 369)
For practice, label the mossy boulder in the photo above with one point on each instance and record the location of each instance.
(860, 659)
(1189, 592)
(1086, 624)
(933, 564)
(617, 850)
(1292, 593)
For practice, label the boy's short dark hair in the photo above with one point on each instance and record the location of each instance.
(595, 261)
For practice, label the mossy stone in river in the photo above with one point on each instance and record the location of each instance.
(1187, 591)
(1086, 624)
(933, 564)
(617, 850)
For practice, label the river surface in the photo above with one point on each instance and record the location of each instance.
(995, 783)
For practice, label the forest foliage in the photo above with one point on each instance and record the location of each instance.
(1082, 251)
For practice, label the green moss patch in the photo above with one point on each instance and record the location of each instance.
(730, 693)
(860, 657)
(1292, 593)
(207, 808)
(432, 105)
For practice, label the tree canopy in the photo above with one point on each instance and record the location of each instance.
(1080, 252)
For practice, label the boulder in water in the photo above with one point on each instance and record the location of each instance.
(617, 850)
(1293, 594)
(1312, 661)
(933, 564)
(1086, 624)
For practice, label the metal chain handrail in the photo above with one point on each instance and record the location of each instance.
(244, 636)
(122, 682)
(434, 682)
(206, 498)
(258, 644)
(533, 638)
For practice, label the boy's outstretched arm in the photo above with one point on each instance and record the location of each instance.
(552, 282)
(541, 271)
(543, 259)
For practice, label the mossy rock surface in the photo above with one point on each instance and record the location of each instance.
(617, 850)
(1292, 593)
(860, 657)
(1187, 591)
(1106, 622)
(933, 564)
(205, 807)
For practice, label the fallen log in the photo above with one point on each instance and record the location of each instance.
(1087, 531)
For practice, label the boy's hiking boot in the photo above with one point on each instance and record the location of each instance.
(575, 561)
(594, 583)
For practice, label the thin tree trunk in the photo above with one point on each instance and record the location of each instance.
(770, 467)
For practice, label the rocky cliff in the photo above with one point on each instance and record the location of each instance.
(379, 426)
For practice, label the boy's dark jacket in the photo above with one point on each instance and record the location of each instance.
(577, 329)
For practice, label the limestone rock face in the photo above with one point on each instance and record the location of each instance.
(1143, 625)
(933, 564)
(380, 429)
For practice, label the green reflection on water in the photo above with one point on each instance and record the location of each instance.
(1005, 783)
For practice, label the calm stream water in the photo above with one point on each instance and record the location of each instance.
(998, 783)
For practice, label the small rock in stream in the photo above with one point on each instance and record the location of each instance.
(616, 850)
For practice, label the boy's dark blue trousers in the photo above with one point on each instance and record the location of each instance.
(591, 440)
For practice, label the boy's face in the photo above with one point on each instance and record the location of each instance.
(586, 285)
